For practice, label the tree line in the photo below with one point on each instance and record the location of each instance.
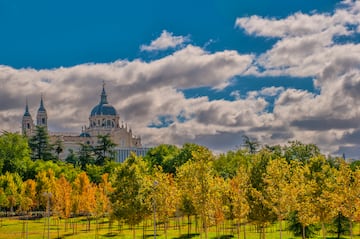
(252, 185)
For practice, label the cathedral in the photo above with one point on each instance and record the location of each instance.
(103, 120)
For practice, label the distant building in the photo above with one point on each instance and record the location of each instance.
(103, 120)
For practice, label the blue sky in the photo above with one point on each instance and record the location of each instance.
(193, 71)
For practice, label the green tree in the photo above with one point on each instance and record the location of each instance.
(162, 155)
(226, 165)
(40, 145)
(251, 145)
(14, 153)
(185, 154)
(104, 150)
(131, 189)
(58, 147)
(85, 155)
(73, 158)
(301, 152)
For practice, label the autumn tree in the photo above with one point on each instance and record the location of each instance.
(45, 188)
(83, 197)
(260, 212)
(11, 184)
(280, 193)
(305, 210)
(28, 195)
(346, 198)
(239, 187)
(324, 177)
(62, 198)
(164, 196)
(195, 179)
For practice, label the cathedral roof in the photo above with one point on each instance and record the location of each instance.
(41, 108)
(103, 108)
(27, 113)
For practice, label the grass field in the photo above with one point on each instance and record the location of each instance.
(80, 228)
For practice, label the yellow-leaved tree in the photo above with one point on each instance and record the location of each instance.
(83, 197)
(62, 199)
(280, 193)
(238, 189)
(346, 197)
(196, 181)
(164, 197)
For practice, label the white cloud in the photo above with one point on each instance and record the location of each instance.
(165, 41)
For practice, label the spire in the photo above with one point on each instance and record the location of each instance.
(41, 108)
(27, 113)
(103, 95)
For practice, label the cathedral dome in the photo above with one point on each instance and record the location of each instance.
(103, 108)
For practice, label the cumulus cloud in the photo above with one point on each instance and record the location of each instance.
(306, 46)
(165, 41)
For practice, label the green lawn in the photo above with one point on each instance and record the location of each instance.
(79, 228)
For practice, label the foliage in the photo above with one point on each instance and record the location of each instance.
(14, 153)
(131, 188)
(104, 150)
(40, 145)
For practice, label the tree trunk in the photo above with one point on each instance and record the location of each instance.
(323, 229)
(238, 229)
(303, 232)
(244, 230)
(280, 228)
(134, 235)
(351, 229)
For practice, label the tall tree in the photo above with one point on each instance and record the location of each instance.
(40, 145)
(250, 144)
(196, 179)
(305, 188)
(280, 193)
(58, 147)
(347, 193)
(45, 188)
(239, 189)
(132, 187)
(84, 196)
(260, 212)
(164, 197)
(104, 150)
(324, 177)
(85, 155)
(62, 197)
